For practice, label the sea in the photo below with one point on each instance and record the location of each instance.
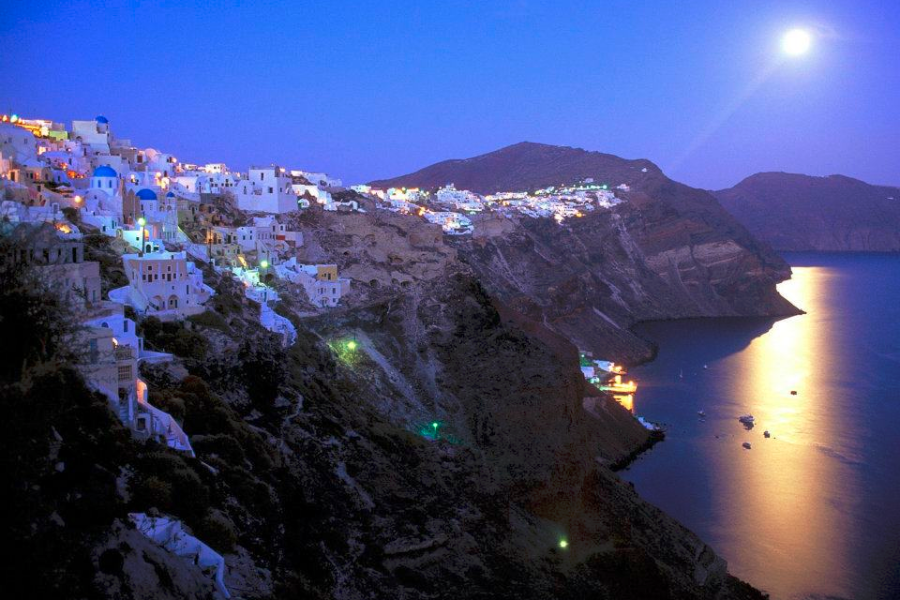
(812, 510)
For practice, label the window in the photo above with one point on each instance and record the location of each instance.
(93, 352)
(124, 372)
(271, 189)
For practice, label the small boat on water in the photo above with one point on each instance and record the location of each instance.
(701, 413)
(793, 392)
(705, 366)
(766, 433)
(746, 445)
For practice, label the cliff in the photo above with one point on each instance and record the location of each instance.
(319, 473)
(667, 251)
(798, 212)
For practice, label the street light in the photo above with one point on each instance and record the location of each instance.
(141, 221)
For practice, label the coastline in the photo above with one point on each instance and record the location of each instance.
(623, 463)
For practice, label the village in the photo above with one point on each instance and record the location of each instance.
(452, 208)
(59, 184)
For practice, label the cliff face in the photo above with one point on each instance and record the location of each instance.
(668, 251)
(798, 212)
(318, 472)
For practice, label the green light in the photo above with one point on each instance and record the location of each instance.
(351, 345)
(142, 221)
(264, 264)
(563, 544)
(435, 425)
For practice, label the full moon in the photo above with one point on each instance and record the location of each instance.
(796, 42)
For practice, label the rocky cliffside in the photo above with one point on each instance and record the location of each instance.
(431, 438)
(319, 471)
(668, 251)
(799, 212)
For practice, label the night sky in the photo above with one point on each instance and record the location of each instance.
(373, 89)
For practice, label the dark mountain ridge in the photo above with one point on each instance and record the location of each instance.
(794, 212)
(667, 251)
(521, 167)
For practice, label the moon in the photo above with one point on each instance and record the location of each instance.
(796, 42)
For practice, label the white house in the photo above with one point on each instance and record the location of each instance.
(266, 189)
(321, 282)
(163, 284)
(451, 222)
(94, 134)
(109, 362)
(460, 199)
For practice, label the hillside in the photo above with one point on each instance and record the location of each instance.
(667, 251)
(520, 167)
(318, 474)
(834, 213)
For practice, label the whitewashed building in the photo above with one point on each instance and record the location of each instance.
(163, 284)
(266, 189)
(322, 284)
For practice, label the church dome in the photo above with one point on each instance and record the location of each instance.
(104, 171)
(146, 194)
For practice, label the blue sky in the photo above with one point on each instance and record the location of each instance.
(372, 89)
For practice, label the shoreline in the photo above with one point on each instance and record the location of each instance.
(660, 435)
(623, 463)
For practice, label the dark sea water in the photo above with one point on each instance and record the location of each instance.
(815, 509)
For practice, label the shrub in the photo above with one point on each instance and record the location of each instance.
(217, 531)
(210, 319)
(152, 492)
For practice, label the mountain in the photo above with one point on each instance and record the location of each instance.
(800, 212)
(520, 167)
(667, 251)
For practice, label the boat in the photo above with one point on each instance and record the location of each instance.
(793, 392)
(766, 433)
(705, 366)
(746, 445)
(701, 412)
(619, 387)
